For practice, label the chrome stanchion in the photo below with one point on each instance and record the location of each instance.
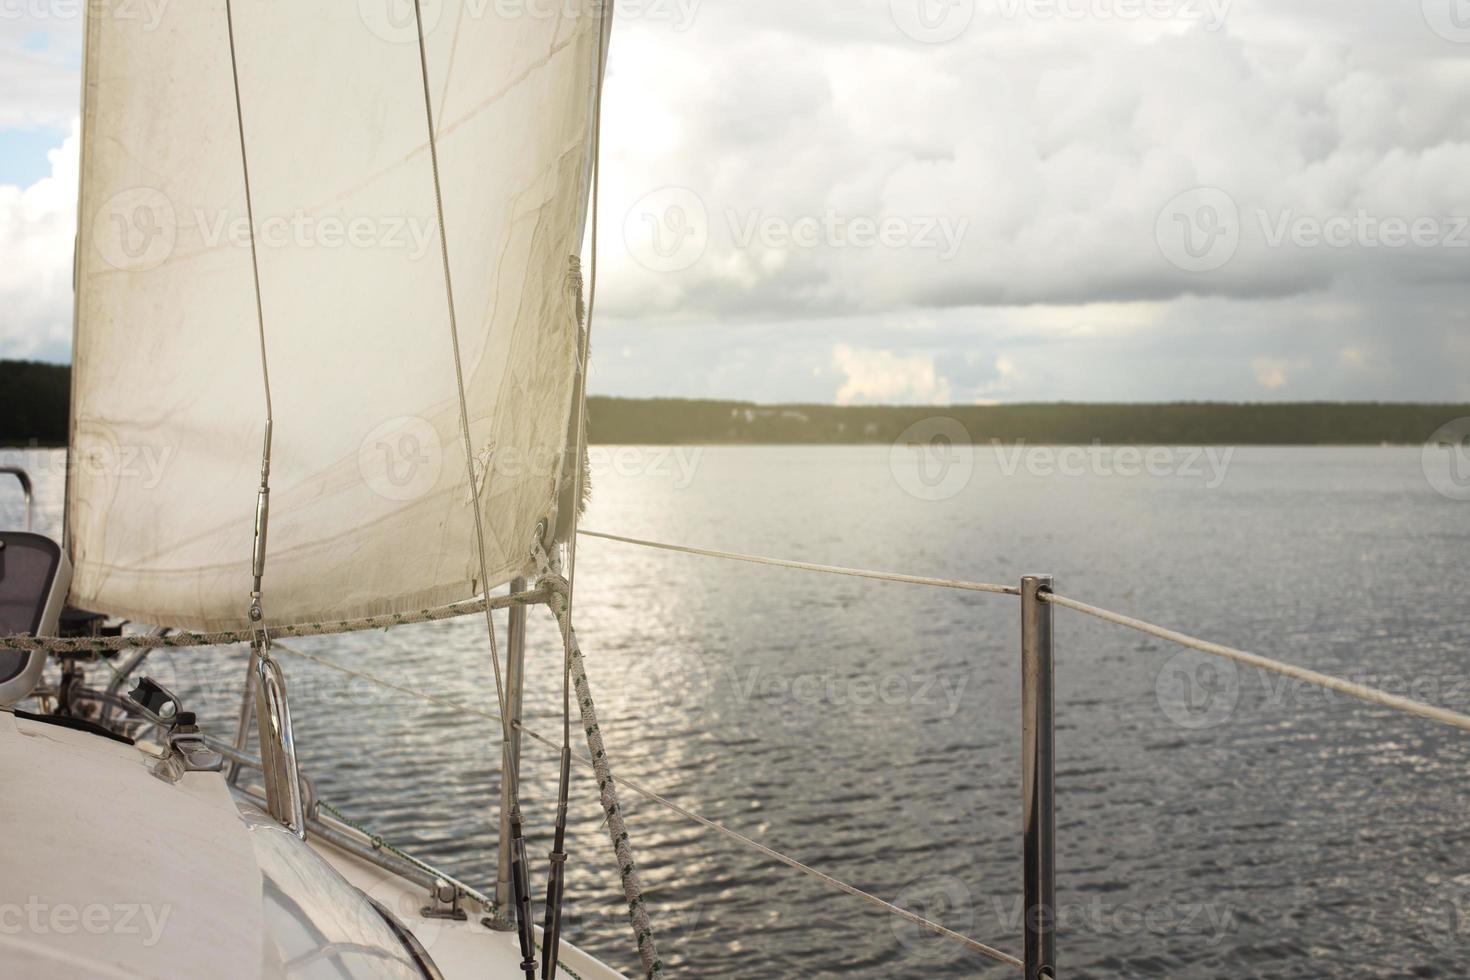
(247, 709)
(1038, 768)
(510, 762)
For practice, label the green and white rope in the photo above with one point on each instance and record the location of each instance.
(556, 600)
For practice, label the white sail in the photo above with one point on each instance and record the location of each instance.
(370, 504)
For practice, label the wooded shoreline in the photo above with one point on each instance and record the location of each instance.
(34, 407)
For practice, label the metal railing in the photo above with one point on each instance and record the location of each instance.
(1038, 776)
(1038, 779)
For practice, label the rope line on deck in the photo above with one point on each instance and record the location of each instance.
(938, 583)
(102, 644)
(653, 797)
(1362, 692)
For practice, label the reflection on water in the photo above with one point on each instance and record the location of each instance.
(1212, 821)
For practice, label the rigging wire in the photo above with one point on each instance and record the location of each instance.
(259, 638)
(938, 583)
(551, 931)
(511, 773)
(604, 32)
(1362, 692)
(464, 415)
(690, 815)
(249, 213)
(263, 492)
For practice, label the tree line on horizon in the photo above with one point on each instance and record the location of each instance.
(34, 405)
(680, 421)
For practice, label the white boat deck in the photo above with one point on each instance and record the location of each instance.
(108, 871)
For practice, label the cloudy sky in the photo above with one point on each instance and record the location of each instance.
(930, 201)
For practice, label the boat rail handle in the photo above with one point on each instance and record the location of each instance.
(27, 489)
(278, 746)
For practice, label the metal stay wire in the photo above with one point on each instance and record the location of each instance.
(653, 797)
(938, 583)
(1362, 692)
(476, 486)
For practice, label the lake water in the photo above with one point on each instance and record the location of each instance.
(1212, 822)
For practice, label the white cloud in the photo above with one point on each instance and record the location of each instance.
(1057, 140)
(881, 376)
(37, 228)
(1273, 373)
(1053, 141)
